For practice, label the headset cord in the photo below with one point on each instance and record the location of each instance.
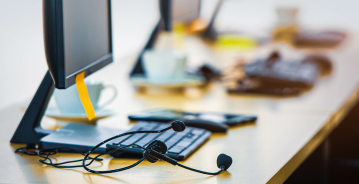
(45, 154)
(114, 170)
(174, 162)
(203, 172)
(49, 152)
(84, 165)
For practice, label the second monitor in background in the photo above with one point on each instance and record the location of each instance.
(173, 11)
(185, 10)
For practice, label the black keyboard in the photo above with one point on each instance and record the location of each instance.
(179, 144)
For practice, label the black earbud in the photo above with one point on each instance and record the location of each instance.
(224, 160)
(178, 126)
(155, 151)
(157, 147)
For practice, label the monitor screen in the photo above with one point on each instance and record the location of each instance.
(77, 36)
(185, 10)
(86, 35)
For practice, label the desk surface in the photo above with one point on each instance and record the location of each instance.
(287, 131)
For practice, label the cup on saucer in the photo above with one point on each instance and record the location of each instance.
(68, 100)
(164, 66)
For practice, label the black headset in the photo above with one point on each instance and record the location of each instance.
(155, 151)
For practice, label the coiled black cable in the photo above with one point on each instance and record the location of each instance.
(110, 139)
(45, 154)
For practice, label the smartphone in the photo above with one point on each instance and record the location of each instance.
(166, 115)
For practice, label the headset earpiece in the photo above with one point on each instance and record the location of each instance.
(156, 151)
(157, 146)
(224, 160)
(178, 126)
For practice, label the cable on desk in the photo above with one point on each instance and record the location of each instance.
(45, 154)
(199, 171)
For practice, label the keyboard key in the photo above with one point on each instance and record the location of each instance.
(164, 136)
(184, 143)
(177, 137)
(197, 131)
(150, 137)
(136, 137)
(140, 124)
(120, 139)
(132, 139)
(176, 149)
(146, 139)
(162, 126)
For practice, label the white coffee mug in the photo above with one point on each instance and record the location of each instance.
(165, 65)
(68, 100)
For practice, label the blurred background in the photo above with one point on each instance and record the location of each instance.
(248, 44)
(21, 39)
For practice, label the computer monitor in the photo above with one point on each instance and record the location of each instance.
(173, 11)
(185, 10)
(77, 37)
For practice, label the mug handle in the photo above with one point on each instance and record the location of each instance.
(112, 99)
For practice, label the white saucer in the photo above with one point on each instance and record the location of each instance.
(54, 112)
(189, 81)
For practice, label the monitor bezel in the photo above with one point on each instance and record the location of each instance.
(54, 45)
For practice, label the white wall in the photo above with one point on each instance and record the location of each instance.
(22, 60)
(260, 14)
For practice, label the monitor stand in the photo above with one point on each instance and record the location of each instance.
(138, 69)
(210, 31)
(29, 130)
(78, 136)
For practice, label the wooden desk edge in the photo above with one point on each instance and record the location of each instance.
(316, 140)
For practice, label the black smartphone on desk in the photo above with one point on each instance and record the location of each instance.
(214, 122)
